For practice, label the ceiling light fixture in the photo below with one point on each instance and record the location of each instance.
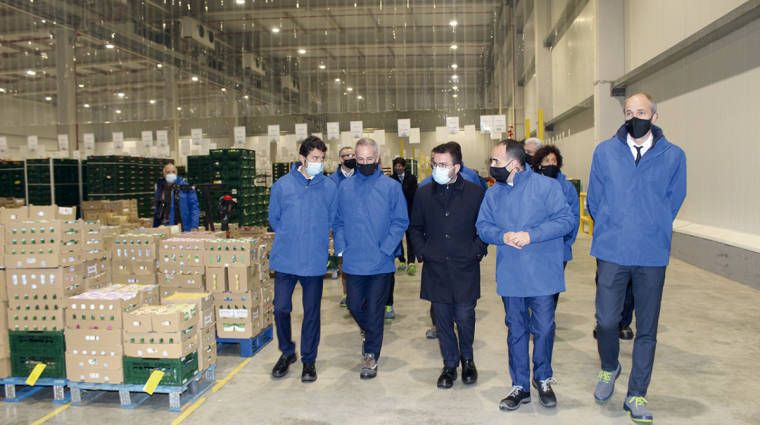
(454, 95)
(80, 85)
(30, 72)
(194, 78)
(179, 108)
(118, 111)
(2, 90)
(322, 66)
(152, 101)
(159, 66)
(275, 30)
(48, 98)
(453, 22)
(224, 89)
(337, 80)
(454, 77)
(454, 66)
(245, 97)
(240, 1)
(349, 88)
(86, 105)
(453, 47)
(454, 88)
(301, 51)
(121, 95)
(109, 46)
(359, 97)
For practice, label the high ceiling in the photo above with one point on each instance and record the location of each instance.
(313, 56)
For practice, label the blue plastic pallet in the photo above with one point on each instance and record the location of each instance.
(60, 396)
(179, 396)
(250, 346)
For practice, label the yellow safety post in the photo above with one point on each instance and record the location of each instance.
(587, 223)
(540, 128)
(401, 147)
(527, 127)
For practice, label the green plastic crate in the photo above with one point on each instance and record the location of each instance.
(33, 343)
(55, 366)
(176, 371)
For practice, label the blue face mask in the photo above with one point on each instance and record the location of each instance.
(441, 175)
(171, 178)
(314, 168)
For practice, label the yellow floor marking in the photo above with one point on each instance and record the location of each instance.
(51, 414)
(189, 410)
(229, 376)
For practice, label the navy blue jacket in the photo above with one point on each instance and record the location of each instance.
(189, 211)
(633, 207)
(370, 222)
(467, 173)
(337, 177)
(301, 213)
(537, 205)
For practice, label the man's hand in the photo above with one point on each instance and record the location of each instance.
(517, 239)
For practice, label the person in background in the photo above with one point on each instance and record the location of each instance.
(301, 212)
(471, 176)
(175, 202)
(532, 145)
(636, 186)
(443, 227)
(345, 170)
(526, 216)
(370, 223)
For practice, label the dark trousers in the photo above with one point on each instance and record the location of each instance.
(410, 251)
(446, 315)
(526, 315)
(284, 284)
(611, 284)
(391, 288)
(366, 297)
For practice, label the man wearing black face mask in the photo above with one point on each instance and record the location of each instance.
(636, 187)
(346, 169)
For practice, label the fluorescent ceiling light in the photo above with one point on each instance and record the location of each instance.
(86, 105)
(152, 101)
(453, 47)
(350, 88)
(194, 78)
(301, 51)
(30, 72)
(453, 22)
(118, 111)
(109, 46)
(120, 94)
(454, 77)
(322, 66)
(454, 66)
(275, 30)
(48, 98)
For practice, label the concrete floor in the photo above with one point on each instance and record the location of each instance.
(709, 348)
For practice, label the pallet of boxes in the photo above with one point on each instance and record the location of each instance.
(121, 212)
(237, 274)
(44, 260)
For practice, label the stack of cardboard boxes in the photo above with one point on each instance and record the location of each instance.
(94, 322)
(133, 258)
(97, 258)
(237, 273)
(204, 303)
(180, 265)
(112, 213)
(5, 350)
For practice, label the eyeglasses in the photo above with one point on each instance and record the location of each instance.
(442, 165)
(348, 156)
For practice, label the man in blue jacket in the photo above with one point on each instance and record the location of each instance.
(636, 187)
(175, 202)
(371, 220)
(301, 212)
(526, 216)
(346, 169)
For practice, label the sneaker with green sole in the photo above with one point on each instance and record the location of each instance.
(606, 384)
(401, 266)
(411, 270)
(390, 314)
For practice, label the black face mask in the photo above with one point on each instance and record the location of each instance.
(528, 159)
(550, 171)
(398, 172)
(638, 127)
(500, 174)
(350, 163)
(367, 169)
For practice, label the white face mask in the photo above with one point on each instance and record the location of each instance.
(314, 168)
(171, 178)
(441, 175)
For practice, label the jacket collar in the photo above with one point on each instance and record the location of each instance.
(362, 177)
(457, 186)
(301, 179)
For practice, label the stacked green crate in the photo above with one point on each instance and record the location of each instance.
(66, 182)
(38, 181)
(236, 168)
(279, 169)
(28, 349)
(176, 371)
(12, 179)
(114, 177)
(199, 169)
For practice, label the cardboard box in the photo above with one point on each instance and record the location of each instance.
(10, 215)
(239, 328)
(99, 369)
(97, 281)
(52, 212)
(267, 294)
(27, 317)
(228, 252)
(60, 282)
(129, 278)
(182, 277)
(5, 348)
(139, 320)
(242, 278)
(95, 342)
(5, 367)
(3, 288)
(207, 349)
(175, 317)
(203, 301)
(103, 308)
(167, 345)
(237, 315)
(216, 279)
(134, 246)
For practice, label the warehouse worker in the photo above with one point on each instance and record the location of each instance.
(369, 225)
(175, 202)
(636, 187)
(532, 145)
(346, 169)
(526, 215)
(301, 212)
(443, 227)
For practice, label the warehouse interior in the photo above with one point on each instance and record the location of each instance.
(133, 85)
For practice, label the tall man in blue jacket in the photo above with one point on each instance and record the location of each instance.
(371, 220)
(175, 202)
(301, 212)
(636, 187)
(526, 215)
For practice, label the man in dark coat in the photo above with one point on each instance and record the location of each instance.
(443, 232)
(409, 187)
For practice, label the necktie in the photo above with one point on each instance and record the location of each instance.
(638, 154)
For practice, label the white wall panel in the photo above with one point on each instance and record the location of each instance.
(653, 26)
(573, 63)
(531, 102)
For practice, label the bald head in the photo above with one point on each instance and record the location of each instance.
(640, 102)
(170, 169)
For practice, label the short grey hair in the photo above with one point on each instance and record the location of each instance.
(534, 141)
(652, 103)
(366, 141)
(343, 149)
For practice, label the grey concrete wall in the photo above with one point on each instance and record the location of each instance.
(728, 261)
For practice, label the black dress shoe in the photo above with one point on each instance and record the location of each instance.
(280, 368)
(515, 398)
(447, 378)
(469, 372)
(594, 332)
(309, 373)
(545, 393)
(626, 333)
